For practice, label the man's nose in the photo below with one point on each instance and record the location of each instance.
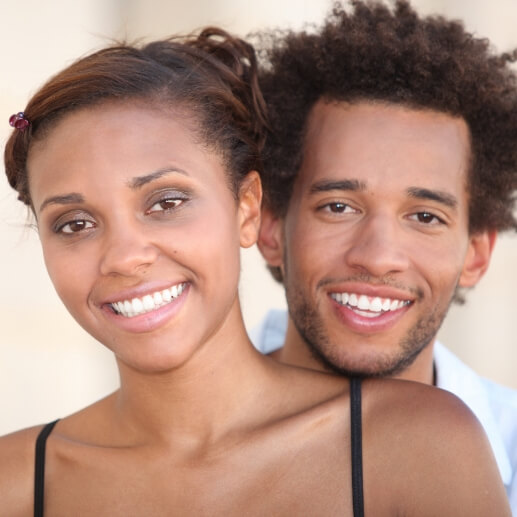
(378, 246)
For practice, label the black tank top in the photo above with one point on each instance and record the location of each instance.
(39, 468)
(356, 444)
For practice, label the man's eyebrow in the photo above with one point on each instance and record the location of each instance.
(140, 181)
(433, 195)
(327, 185)
(65, 199)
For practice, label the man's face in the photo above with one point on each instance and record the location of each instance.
(376, 239)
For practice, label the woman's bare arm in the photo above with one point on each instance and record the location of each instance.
(17, 472)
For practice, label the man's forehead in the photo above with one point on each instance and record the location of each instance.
(357, 140)
(374, 112)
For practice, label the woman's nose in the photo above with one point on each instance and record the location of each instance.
(127, 252)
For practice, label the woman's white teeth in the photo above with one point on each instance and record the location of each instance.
(138, 305)
(365, 303)
(166, 295)
(149, 302)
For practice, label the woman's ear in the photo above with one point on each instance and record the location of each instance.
(250, 198)
(477, 258)
(270, 241)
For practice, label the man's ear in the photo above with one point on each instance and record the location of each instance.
(270, 241)
(477, 258)
(250, 197)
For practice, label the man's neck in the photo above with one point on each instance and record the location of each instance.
(296, 352)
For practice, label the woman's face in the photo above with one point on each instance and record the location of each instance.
(140, 231)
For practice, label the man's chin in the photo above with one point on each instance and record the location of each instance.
(370, 365)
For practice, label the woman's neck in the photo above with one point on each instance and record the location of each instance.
(201, 399)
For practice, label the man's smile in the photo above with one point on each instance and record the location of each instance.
(368, 306)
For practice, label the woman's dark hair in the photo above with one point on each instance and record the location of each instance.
(375, 53)
(212, 75)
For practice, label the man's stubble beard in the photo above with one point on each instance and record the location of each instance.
(335, 357)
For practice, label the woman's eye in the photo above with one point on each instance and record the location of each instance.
(165, 204)
(75, 226)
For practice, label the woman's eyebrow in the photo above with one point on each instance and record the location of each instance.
(133, 183)
(64, 199)
(140, 181)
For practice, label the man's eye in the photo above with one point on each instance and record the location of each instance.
(427, 218)
(165, 204)
(75, 226)
(338, 208)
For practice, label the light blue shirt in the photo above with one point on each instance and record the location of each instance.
(495, 406)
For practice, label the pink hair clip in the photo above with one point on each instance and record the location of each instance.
(19, 121)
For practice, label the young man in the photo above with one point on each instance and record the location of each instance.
(391, 167)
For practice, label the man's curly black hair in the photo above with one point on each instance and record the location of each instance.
(376, 53)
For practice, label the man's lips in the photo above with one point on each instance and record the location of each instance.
(369, 306)
(369, 314)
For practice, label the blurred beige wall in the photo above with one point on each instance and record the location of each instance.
(50, 367)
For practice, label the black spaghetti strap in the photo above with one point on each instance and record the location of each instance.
(357, 447)
(39, 468)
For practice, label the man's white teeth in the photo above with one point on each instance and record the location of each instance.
(376, 305)
(149, 302)
(365, 303)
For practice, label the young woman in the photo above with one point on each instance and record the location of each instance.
(140, 166)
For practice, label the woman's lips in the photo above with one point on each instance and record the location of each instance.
(147, 312)
(149, 302)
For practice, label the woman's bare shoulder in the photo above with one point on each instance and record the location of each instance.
(432, 448)
(407, 398)
(294, 381)
(17, 452)
(427, 420)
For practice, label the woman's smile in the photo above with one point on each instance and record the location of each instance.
(149, 312)
(147, 303)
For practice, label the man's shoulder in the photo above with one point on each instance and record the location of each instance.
(268, 335)
(455, 376)
(500, 394)
(494, 405)
(503, 401)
